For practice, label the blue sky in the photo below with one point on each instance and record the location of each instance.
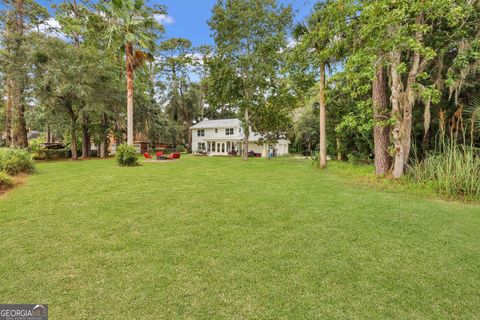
(189, 17)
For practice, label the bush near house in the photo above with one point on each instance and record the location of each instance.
(16, 161)
(126, 156)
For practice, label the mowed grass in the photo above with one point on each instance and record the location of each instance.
(218, 238)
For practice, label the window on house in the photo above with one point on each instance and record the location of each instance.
(201, 133)
(240, 130)
(213, 146)
(209, 146)
(201, 146)
(229, 131)
(216, 130)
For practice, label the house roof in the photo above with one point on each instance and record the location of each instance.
(221, 123)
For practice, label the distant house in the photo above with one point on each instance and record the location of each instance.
(221, 137)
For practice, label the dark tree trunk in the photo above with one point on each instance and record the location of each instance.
(48, 134)
(381, 131)
(8, 114)
(19, 125)
(104, 137)
(73, 130)
(245, 135)
(73, 145)
(86, 142)
(190, 138)
(22, 138)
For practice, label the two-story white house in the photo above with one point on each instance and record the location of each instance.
(221, 137)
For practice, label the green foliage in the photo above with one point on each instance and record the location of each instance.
(5, 181)
(132, 21)
(454, 171)
(126, 156)
(51, 154)
(16, 161)
(250, 38)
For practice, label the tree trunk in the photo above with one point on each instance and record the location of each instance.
(427, 118)
(73, 144)
(18, 108)
(189, 137)
(339, 153)
(19, 126)
(104, 137)
(323, 122)
(398, 129)
(86, 142)
(130, 75)
(381, 131)
(8, 115)
(245, 135)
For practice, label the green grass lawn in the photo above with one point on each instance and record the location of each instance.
(218, 238)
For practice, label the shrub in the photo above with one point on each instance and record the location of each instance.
(126, 156)
(5, 181)
(51, 154)
(16, 161)
(455, 171)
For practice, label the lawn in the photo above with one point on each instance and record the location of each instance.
(218, 238)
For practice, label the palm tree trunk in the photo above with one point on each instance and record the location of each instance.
(323, 121)
(381, 132)
(130, 87)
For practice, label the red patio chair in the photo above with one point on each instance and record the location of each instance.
(173, 156)
(147, 156)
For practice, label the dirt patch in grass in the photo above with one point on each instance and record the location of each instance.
(17, 181)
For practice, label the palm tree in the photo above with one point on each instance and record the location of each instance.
(323, 36)
(132, 25)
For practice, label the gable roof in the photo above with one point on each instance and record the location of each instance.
(221, 123)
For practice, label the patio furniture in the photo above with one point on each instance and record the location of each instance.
(173, 156)
(147, 156)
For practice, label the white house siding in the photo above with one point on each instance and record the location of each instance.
(214, 131)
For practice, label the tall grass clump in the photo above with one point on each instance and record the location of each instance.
(453, 169)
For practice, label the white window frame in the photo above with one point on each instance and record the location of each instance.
(201, 133)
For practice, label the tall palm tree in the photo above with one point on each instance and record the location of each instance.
(323, 38)
(132, 25)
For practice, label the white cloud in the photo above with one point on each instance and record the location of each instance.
(292, 43)
(51, 27)
(164, 19)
